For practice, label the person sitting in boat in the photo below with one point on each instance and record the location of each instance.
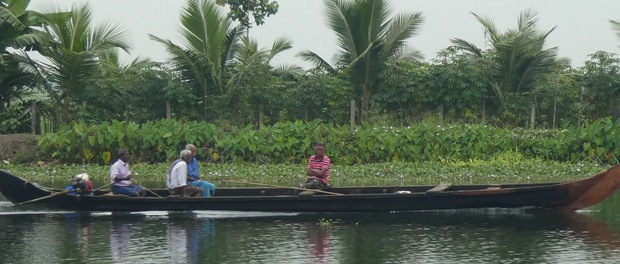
(318, 169)
(193, 178)
(80, 185)
(176, 178)
(120, 176)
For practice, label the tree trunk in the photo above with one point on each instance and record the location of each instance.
(261, 114)
(582, 103)
(65, 110)
(352, 120)
(365, 103)
(168, 110)
(34, 122)
(205, 103)
(484, 112)
(555, 111)
(533, 116)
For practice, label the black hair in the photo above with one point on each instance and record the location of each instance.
(120, 152)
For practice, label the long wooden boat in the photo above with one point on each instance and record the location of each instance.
(572, 195)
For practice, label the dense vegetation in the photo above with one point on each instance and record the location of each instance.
(219, 74)
(378, 103)
(287, 142)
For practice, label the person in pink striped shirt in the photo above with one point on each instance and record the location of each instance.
(318, 169)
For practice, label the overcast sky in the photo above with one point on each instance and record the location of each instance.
(582, 25)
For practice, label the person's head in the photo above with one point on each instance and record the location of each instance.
(319, 149)
(186, 155)
(122, 154)
(191, 148)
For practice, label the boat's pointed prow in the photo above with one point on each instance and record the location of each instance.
(594, 190)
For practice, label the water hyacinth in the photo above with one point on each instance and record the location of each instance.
(509, 168)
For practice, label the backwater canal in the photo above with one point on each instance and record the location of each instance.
(460, 236)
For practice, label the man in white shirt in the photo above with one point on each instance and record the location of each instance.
(176, 178)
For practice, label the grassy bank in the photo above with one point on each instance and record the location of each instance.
(507, 168)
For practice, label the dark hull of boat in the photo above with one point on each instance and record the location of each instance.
(566, 195)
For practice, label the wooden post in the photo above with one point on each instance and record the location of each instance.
(35, 125)
(168, 110)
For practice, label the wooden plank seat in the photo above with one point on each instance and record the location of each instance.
(440, 188)
(112, 194)
(307, 193)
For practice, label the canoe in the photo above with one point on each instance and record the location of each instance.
(570, 195)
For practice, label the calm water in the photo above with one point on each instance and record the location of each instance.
(463, 236)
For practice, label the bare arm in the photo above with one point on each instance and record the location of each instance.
(316, 172)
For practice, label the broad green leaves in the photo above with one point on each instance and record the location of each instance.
(287, 142)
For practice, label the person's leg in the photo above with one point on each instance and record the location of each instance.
(210, 189)
(194, 191)
(127, 190)
(199, 184)
(312, 184)
(138, 190)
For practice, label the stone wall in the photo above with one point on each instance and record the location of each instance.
(17, 146)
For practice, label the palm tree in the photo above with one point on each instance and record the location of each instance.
(368, 36)
(76, 48)
(252, 74)
(210, 43)
(16, 32)
(519, 57)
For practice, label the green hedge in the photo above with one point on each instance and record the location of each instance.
(289, 142)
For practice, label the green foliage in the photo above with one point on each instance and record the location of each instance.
(510, 167)
(325, 223)
(210, 42)
(519, 60)
(244, 10)
(601, 82)
(289, 142)
(368, 36)
(12, 119)
(78, 46)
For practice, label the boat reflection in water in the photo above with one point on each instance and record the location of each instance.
(490, 235)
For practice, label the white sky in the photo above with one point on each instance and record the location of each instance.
(582, 25)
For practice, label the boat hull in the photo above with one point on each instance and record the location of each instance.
(564, 195)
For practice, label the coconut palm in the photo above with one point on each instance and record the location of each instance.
(252, 74)
(519, 57)
(210, 43)
(368, 35)
(75, 50)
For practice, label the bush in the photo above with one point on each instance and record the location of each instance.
(290, 142)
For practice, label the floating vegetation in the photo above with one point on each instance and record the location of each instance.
(325, 222)
(508, 168)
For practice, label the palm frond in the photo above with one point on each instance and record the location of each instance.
(108, 36)
(280, 45)
(467, 47)
(289, 69)
(339, 12)
(615, 25)
(316, 60)
(408, 54)
(401, 28)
